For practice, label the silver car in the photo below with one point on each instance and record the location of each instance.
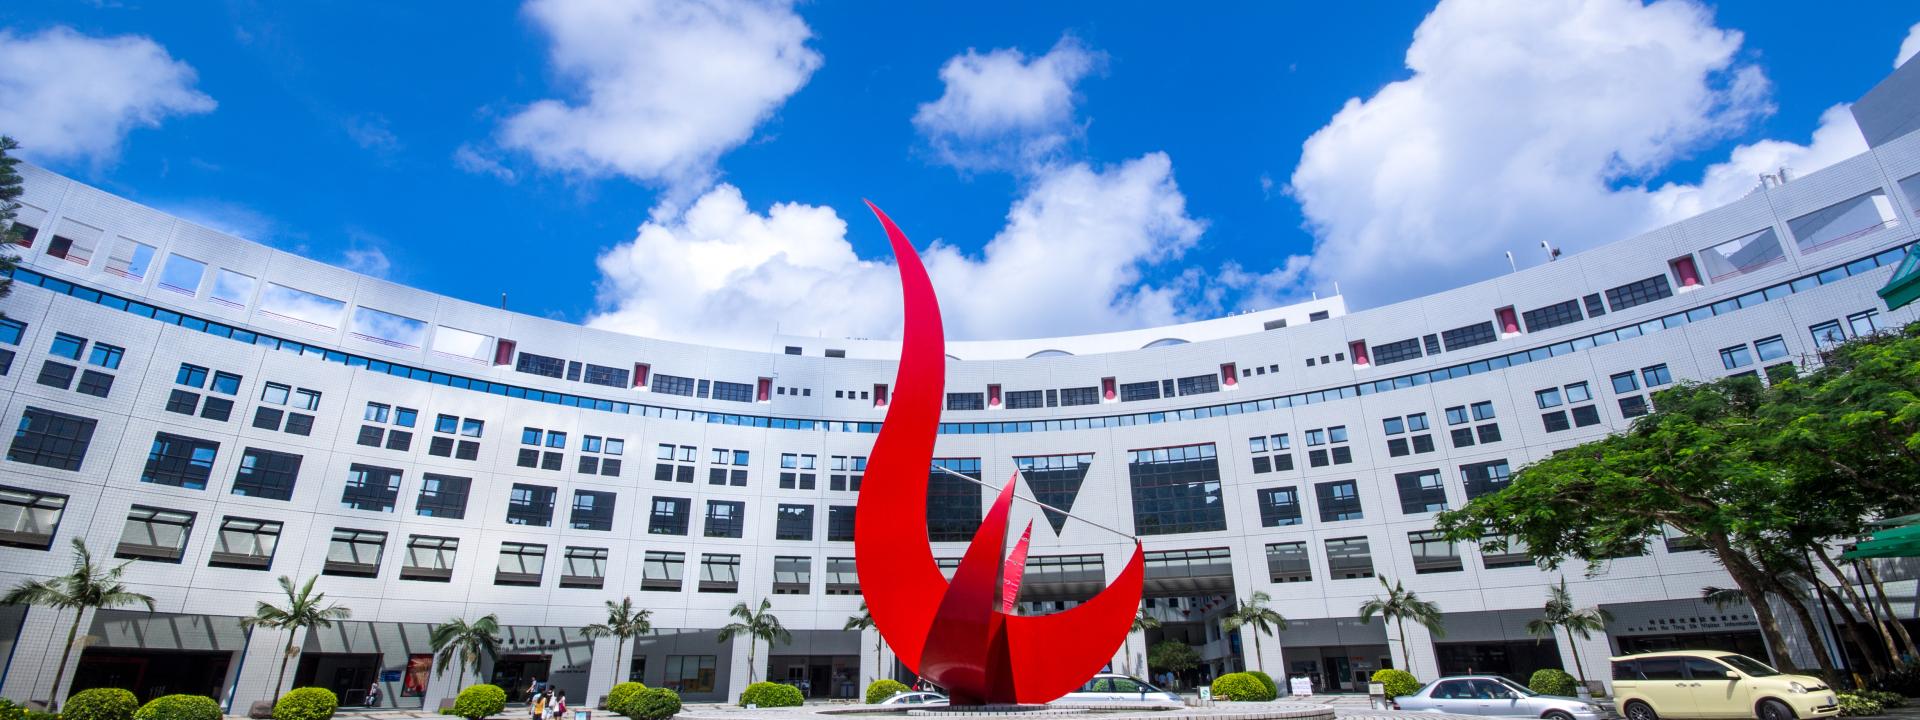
(1116, 689)
(1495, 696)
(915, 697)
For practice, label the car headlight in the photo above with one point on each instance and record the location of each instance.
(1796, 687)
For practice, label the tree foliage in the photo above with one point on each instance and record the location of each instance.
(11, 188)
(304, 609)
(88, 586)
(624, 622)
(1172, 656)
(458, 642)
(1253, 613)
(756, 624)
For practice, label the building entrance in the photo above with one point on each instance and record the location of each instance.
(515, 673)
(348, 675)
(1514, 660)
(150, 674)
(1336, 669)
(818, 676)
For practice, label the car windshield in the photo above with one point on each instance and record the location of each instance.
(1748, 665)
(1519, 689)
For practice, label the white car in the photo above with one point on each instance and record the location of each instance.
(1116, 689)
(915, 697)
(1495, 696)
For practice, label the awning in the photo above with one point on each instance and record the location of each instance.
(1904, 287)
(1899, 537)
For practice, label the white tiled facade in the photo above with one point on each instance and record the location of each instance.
(198, 603)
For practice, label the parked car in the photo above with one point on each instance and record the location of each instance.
(1495, 696)
(1116, 689)
(1715, 684)
(915, 697)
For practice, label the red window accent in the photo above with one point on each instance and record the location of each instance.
(879, 395)
(766, 390)
(1229, 375)
(993, 396)
(640, 372)
(1683, 268)
(1509, 320)
(503, 351)
(1106, 388)
(1358, 349)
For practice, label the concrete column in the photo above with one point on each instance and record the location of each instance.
(448, 684)
(1424, 664)
(37, 653)
(737, 674)
(1269, 660)
(1594, 652)
(873, 668)
(1131, 657)
(260, 664)
(601, 673)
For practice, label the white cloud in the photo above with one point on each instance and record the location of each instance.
(372, 132)
(663, 86)
(228, 217)
(367, 261)
(1002, 109)
(1909, 46)
(1837, 138)
(1520, 122)
(478, 162)
(1069, 261)
(72, 96)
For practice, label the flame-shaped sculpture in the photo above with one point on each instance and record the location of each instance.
(961, 635)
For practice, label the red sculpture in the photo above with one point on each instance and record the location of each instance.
(961, 635)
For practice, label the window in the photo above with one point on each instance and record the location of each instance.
(725, 519)
(1639, 292)
(225, 383)
(446, 424)
(1421, 491)
(1148, 390)
(1772, 348)
(520, 564)
(1510, 553)
(1432, 553)
(719, 573)
(1287, 562)
(1547, 398)
(1552, 316)
(1456, 415)
(245, 543)
(1625, 383)
(1074, 397)
(732, 392)
(672, 385)
(1864, 323)
(182, 275)
(95, 383)
(855, 467)
(1489, 432)
(1054, 479)
(1393, 352)
(530, 505)
(1827, 335)
(1595, 307)
(51, 439)
(1555, 421)
(793, 522)
(690, 673)
(376, 412)
(792, 575)
(1633, 406)
(1655, 375)
(354, 553)
(1279, 506)
(661, 570)
(592, 510)
(1742, 255)
(1585, 416)
(106, 356)
(442, 496)
(603, 375)
(1349, 558)
(29, 519)
(181, 462)
(429, 558)
(953, 503)
(67, 346)
(840, 523)
(56, 374)
(1469, 336)
(1485, 478)
(216, 409)
(1198, 384)
(154, 534)
(842, 576)
(669, 516)
(1338, 500)
(1578, 393)
(371, 488)
(266, 474)
(1737, 356)
(1175, 490)
(1483, 410)
(541, 365)
(1842, 221)
(1025, 400)
(586, 568)
(966, 401)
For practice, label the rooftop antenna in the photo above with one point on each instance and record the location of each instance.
(503, 301)
(1515, 267)
(1336, 287)
(1553, 253)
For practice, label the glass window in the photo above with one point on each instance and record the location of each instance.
(232, 289)
(1349, 558)
(1655, 375)
(1279, 506)
(793, 522)
(1864, 323)
(1421, 491)
(354, 553)
(67, 346)
(405, 417)
(154, 534)
(245, 543)
(520, 564)
(592, 510)
(669, 516)
(51, 439)
(180, 461)
(530, 505)
(1735, 357)
(267, 474)
(225, 383)
(1339, 500)
(1485, 478)
(585, 567)
(1625, 383)
(1827, 335)
(371, 488)
(1432, 553)
(430, 558)
(1287, 562)
(662, 570)
(1175, 490)
(725, 519)
(28, 518)
(1771, 348)
(1483, 410)
(182, 275)
(1547, 398)
(443, 496)
(106, 356)
(953, 503)
(1578, 393)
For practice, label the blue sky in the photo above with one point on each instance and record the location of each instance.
(1131, 162)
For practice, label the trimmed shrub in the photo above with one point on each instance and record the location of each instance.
(1904, 680)
(307, 703)
(652, 704)
(884, 688)
(1273, 691)
(621, 694)
(10, 711)
(101, 704)
(1549, 681)
(771, 695)
(31, 714)
(1240, 687)
(180, 707)
(1398, 683)
(478, 701)
(1852, 705)
(1888, 700)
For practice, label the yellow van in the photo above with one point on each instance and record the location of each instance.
(1714, 684)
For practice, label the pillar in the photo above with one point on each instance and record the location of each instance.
(1424, 664)
(737, 680)
(1594, 652)
(608, 668)
(1269, 660)
(260, 665)
(37, 652)
(871, 667)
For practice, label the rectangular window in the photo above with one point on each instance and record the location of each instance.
(520, 564)
(1547, 398)
(842, 576)
(1025, 400)
(56, 374)
(182, 275)
(1148, 390)
(181, 462)
(267, 474)
(1772, 348)
(130, 259)
(1512, 553)
(1198, 384)
(371, 488)
(217, 409)
(1585, 416)
(530, 505)
(953, 503)
(1339, 500)
(30, 519)
(732, 392)
(67, 346)
(672, 385)
(1393, 352)
(669, 516)
(300, 306)
(1864, 323)
(386, 328)
(725, 519)
(1827, 335)
(1633, 406)
(606, 376)
(1595, 307)
(95, 383)
(966, 401)
(1349, 558)
(1074, 397)
(1488, 433)
(1742, 255)
(231, 289)
(154, 534)
(443, 496)
(661, 571)
(1432, 553)
(1469, 336)
(690, 673)
(1485, 478)
(354, 553)
(245, 543)
(1639, 292)
(1578, 393)
(1287, 562)
(1279, 507)
(592, 510)
(225, 383)
(840, 523)
(106, 356)
(1176, 490)
(793, 522)
(541, 365)
(1625, 383)
(1737, 356)
(1552, 316)
(1462, 437)
(585, 568)
(1842, 221)
(1555, 421)
(1421, 491)
(719, 573)
(1655, 375)
(429, 558)
(1483, 411)
(792, 575)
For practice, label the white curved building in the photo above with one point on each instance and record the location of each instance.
(223, 413)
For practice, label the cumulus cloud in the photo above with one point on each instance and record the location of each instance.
(1837, 138)
(1909, 46)
(372, 132)
(367, 261)
(1002, 109)
(1069, 260)
(1521, 123)
(663, 87)
(74, 96)
(472, 160)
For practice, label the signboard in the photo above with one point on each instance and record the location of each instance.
(389, 676)
(1300, 686)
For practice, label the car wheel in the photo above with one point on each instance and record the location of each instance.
(1775, 710)
(1637, 710)
(1557, 715)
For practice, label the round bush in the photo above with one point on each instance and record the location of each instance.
(307, 703)
(884, 688)
(1551, 681)
(771, 695)
(620, 695)
(101, 704)
(1852, 705)
(1273, 691)
(1399, 683)
(1240, 687)
(10, 711)
(652, 704)
(1888, 700)
(31, 714)
(478, 701)
(180, 707)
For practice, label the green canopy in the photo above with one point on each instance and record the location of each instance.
(1904, 286)
(1900, 537)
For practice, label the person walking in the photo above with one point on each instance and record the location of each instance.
(373, 694)
(539, 706)
(557, 710)
(533, 690)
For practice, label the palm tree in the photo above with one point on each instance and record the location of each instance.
(623, 621)
(756, 625)
(1253, 612)
(304, 610)
(459, 641)
(1401, 605)
(862, 622)
(87, 587)
(1559, 613)
(1142, 622)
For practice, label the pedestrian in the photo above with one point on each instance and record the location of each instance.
(539, 706)
(373, 694)
(533, 690)
(557, 710)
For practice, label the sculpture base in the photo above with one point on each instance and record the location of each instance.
(998, 711)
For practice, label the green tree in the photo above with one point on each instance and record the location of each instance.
(1172, 656)
(1560, 615)
(304, 609)
(1399, 606)
(86, 587)
(623, 622)
(757, 625)
(459, 642)
(1254, 613)
(861, 623)
(12, 186)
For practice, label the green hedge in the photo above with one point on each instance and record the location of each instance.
(101, 704)
(884, 688)
(10, 711)
(652, 704)
(771, 695)
(31, 714)
(1398, 683)
(307, 703)
(1240, 687)
(1552, 681)
(1273, 690)
(1888, 700)
(1852, 705)
(478, 701)
(180, 707)
(621, 694)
